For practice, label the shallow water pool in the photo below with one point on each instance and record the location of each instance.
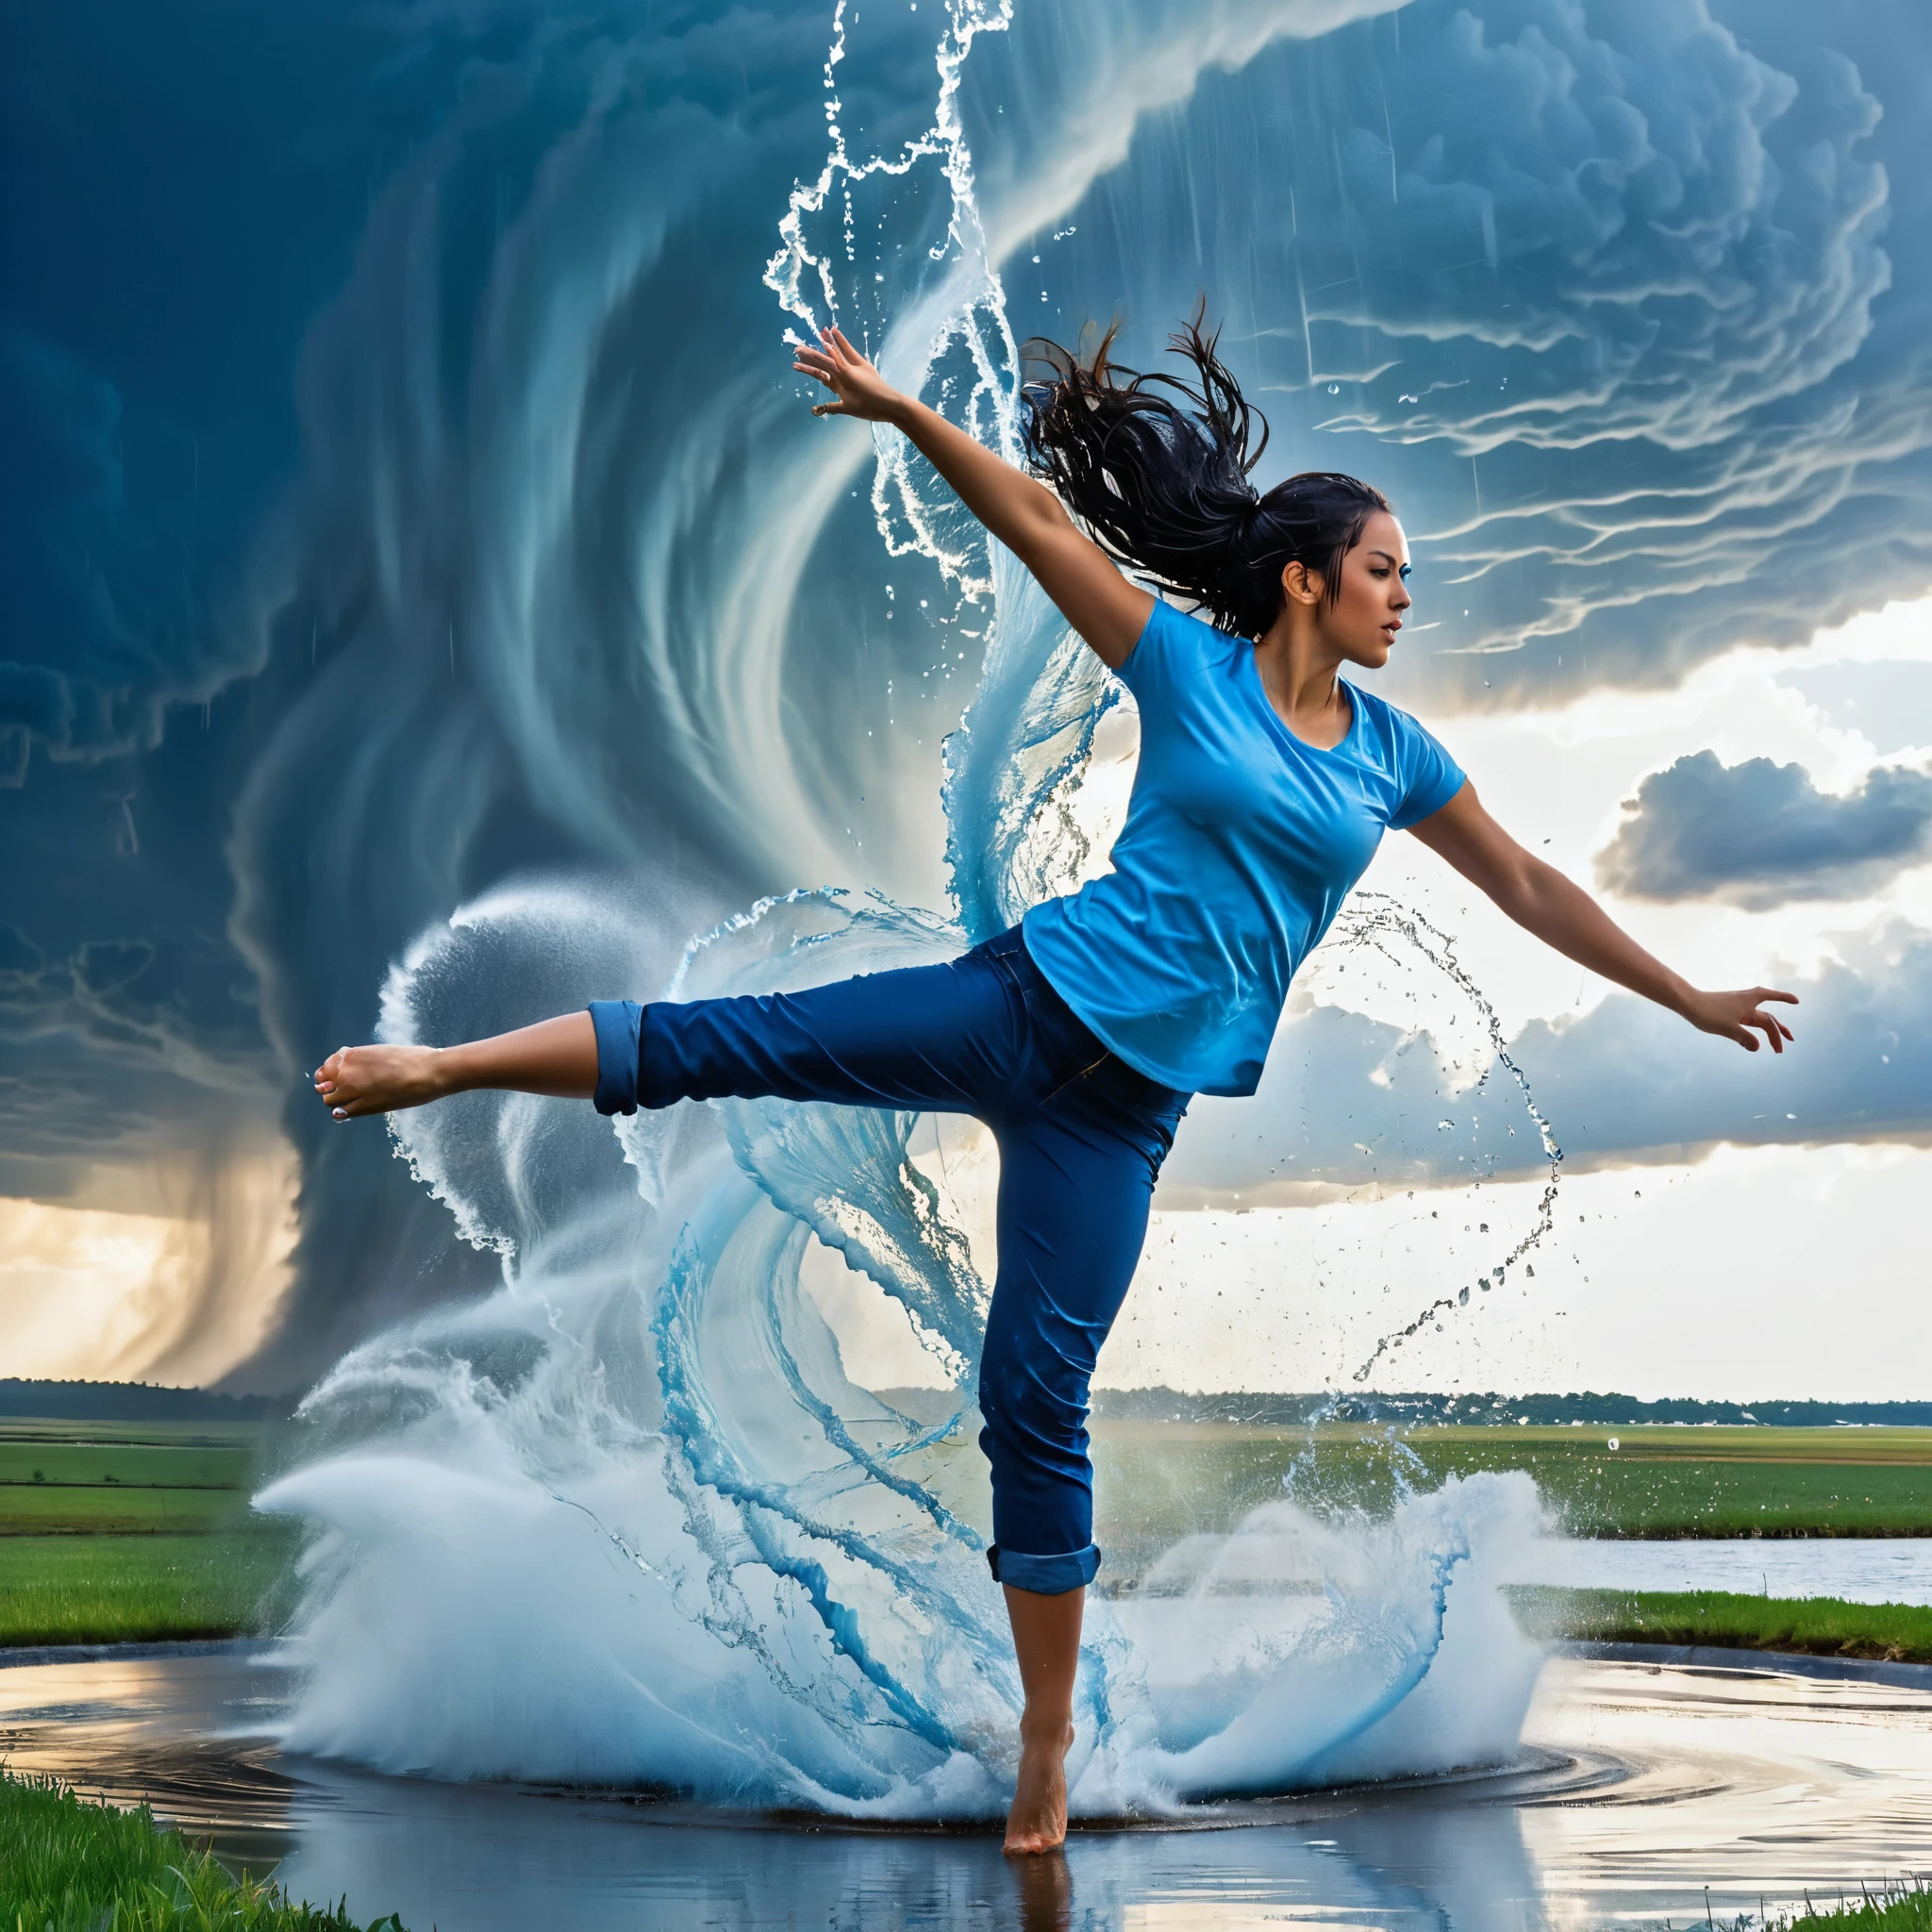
(1638, 1783)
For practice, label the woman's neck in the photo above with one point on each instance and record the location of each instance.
(1300, 674)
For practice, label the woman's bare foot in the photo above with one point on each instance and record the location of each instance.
(1037, 1821)
(355, 1080)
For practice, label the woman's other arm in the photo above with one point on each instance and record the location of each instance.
(1560, 913)
(1025, 516)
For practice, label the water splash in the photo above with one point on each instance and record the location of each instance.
(1368, 922)
(947, 331)
(631, 1519)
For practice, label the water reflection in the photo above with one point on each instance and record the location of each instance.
(1044, 1887)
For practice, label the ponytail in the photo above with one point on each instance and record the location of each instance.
(1164, 487)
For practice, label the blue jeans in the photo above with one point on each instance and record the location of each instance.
(1081, 1138)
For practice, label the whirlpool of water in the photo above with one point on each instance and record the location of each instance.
(630, 1521)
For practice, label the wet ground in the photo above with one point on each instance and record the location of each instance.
(1640, 1782)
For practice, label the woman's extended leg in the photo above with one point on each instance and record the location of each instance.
(949, 1037)
(554, 1057)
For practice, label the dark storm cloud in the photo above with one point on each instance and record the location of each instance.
(1625, 305)
(492, 624)
(1761, 834)
(85, 669)
(1348, 1101)
(120, 1051)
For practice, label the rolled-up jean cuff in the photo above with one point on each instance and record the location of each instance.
(1044, 1575)
(616, 1023)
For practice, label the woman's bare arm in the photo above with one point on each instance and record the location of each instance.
(1025, 516)
(554, 1057)
(1560, 913)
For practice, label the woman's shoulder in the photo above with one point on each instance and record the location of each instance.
(1177, 639)
(1384, 719)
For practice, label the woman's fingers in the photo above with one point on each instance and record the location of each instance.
(1775, 1029)
(854, 382)
(1741, 1016)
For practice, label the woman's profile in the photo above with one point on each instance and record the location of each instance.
(1265, 783)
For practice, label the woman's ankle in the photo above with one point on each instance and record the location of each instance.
(1051, 1727)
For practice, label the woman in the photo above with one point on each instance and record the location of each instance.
(1265, 782)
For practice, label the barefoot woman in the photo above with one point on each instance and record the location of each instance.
(1264, 786)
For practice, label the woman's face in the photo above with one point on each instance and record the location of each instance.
(1367, 612)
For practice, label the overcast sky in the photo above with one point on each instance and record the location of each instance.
(402, 492)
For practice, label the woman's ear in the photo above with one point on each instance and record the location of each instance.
(1301, 584)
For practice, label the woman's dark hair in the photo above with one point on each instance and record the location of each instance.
(1163, 486)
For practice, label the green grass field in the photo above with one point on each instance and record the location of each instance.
(142, 1589)
(1156, 1481)
(1804, 1626)
(70, 1865)
(133, 1533)
(119, 1531)
(119, 1479)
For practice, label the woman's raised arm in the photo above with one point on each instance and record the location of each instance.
(1560, 913)
(1107, 610)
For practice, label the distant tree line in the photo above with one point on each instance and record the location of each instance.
(136, 1402)
(139, 1402)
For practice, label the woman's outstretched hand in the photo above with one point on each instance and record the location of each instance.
(1734, 1015)
(858, 388)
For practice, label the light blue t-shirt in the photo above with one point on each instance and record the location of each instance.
(1240, 846)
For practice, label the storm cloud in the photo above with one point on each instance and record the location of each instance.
(1761, 834)
(1611, 300)
(404, 493)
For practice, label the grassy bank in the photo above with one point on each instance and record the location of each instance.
(1890, 1908)
(1803, 1626)
(140, 1588)
(69, 1865)
(1156, 1481)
